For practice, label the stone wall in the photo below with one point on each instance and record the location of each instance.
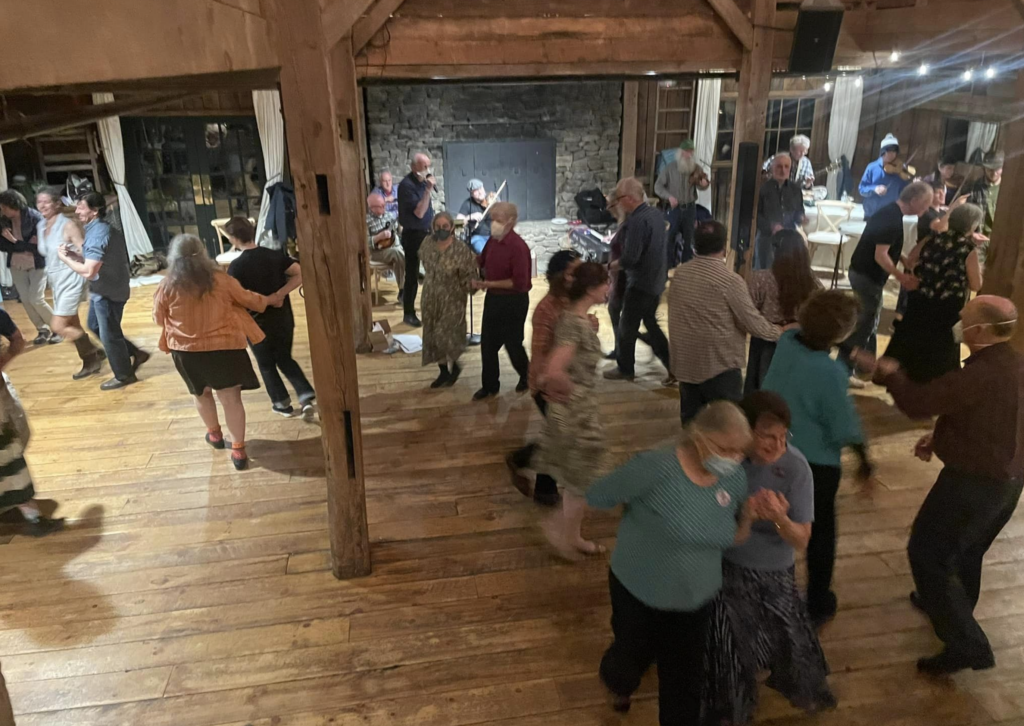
(584, 119)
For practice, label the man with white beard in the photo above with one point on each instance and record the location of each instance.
(673, 186)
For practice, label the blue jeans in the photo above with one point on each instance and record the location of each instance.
(865, 335)
(105, 322)
(477, 242)
(764, 253)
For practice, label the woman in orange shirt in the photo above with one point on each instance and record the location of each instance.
(206, 329)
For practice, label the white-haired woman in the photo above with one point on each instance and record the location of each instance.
(684, 505)
(206, 328)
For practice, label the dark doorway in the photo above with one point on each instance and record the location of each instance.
(184, 172)
(527, 166)
(955, 141)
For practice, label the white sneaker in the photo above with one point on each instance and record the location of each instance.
(309, 411)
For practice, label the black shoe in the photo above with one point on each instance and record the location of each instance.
(89, 367)
(140, 360)
(412, 321)
(483, 393)
(42, 339)
(240, 464)
(948, 662)
(546, 498)
(54, 339)
(616, 374)
(42, 527)
(621, 704)
(442, 378)
(523, 385)
(286, 411)
(915, 600)
(114, 383)
(215, 443)
(454, 376)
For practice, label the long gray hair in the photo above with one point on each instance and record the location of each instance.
(189, 268)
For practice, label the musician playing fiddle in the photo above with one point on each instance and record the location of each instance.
(677, 184)
(946, 174)
(472, 211)
(884, 178)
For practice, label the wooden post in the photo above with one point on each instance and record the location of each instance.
(328, 191)
(1004, 268)
(752, 104)
(630, 96)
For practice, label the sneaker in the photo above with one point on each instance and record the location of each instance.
(948, 662)
(309, 410)
(483, 393)
(114, 383)
(286, 411)
(454, 376)
(616, 374)
(42, 339)
(140, 360)
(89, 367)
(412, 321)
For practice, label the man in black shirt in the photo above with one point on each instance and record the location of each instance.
(875, 258)
(274, 274)
(472, 210)
(415, 215)
(780, 206)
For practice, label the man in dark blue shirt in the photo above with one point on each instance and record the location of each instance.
(415, 214)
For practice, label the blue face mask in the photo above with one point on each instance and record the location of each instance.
(721, 466)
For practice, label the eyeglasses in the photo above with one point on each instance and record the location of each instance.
(774, 438)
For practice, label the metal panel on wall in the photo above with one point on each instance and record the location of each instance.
(528, 167)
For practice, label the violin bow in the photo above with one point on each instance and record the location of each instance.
(497, 198)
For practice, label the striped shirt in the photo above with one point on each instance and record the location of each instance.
(710, 314)
(673, 532)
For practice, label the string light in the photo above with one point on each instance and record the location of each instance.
(651, 73)
(894, 56)
(968, 74)
(827, 86)
(991, 72)
(858, 82)
(922, 70)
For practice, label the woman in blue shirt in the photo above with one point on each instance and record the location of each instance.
(683, 506)
(824, 421)
(759, 621)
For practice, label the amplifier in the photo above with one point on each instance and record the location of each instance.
(591, 245)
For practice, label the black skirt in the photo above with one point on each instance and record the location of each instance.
(923, 340)
(215, 369)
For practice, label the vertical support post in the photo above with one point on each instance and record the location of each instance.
(752, 103)
(630, 97)
(328, 193)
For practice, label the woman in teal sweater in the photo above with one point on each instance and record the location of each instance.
(824, 421)
(683, 506)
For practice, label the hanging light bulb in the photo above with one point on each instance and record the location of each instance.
(894, 56)
(922, 70)
(858, 81)
(827, 86)
(968, 74)
(990, 72)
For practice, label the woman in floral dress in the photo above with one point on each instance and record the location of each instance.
(451, 267)
(572, 440)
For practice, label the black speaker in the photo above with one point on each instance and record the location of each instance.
(743, 202)
(814, 40)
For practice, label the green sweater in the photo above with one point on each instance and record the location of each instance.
(815, 387)
(673, 532)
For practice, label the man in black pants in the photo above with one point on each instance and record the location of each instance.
(645, 262)
(506, 265)
(978, 437)
(415, 214)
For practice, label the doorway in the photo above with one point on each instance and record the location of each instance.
(186, 172)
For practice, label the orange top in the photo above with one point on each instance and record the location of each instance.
(216, 321)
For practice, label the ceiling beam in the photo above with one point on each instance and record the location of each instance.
(738, 23)
(203, 83)
(338, 17)
(47, 123)
(367, 27)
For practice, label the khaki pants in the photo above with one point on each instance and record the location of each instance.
(6, 714)
(393, 258)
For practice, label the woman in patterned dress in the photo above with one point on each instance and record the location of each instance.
(451, 267)
(948, 269)
(759, 621)
(572, 440)
(778, 293)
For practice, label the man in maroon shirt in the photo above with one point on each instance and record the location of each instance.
(505, 262)
(979, 437)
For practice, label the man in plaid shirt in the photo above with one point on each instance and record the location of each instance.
(382, 228)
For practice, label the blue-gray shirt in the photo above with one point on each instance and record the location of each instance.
(644, 253)
(107, 245)
(791, 477)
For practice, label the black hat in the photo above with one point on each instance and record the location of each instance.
(560, 262)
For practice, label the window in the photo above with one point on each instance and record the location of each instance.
(726, 123)
(787, 118)
(674, 117)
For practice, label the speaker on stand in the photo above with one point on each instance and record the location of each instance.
(743, 201)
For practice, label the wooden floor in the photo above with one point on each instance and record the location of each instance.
(186, 594)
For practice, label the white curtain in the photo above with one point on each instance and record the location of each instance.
(135, 235)
(980, 135)
(844, 123)
(5, 274)
(705, 129)
(270, 121)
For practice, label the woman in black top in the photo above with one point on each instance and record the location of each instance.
(269, 272)
(19, 240)
(948, 269)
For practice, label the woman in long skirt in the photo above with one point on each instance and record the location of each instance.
(450, 267)
(759, 621)
(572, 440)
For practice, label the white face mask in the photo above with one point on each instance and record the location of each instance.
(498, 230)
(958, 331)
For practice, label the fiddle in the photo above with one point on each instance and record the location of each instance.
(902, 169)
(699, 177)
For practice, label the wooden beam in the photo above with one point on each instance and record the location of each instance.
(367, 27)
(240, 81)
(976, 108)
(1004, 267)
(327, 193)
(630, 96)
(339, 16)
(593, 70)
(732, 16)
(30, 126)
(751, 106)
(115, 41)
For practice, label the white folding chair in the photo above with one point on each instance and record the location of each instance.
(831, 214)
